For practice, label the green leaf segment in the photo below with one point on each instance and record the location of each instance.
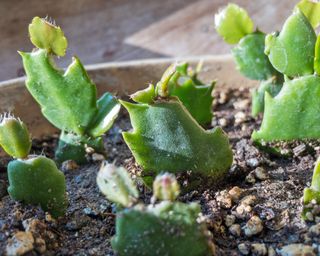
(67, 98)
(166, 137)
(294, 112)
(313, 192)
(34, 179)
(236, 27)
(166, 228)
(194, 94)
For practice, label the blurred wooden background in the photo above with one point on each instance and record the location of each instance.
(117, 30)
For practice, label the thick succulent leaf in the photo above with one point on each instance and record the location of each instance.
(311, 10)
(293, 113)
(45, 35)
(67, 100)
(317, 57)
(233, 23)
(313, 192)
(72, 147)
(116, 184)
(166, 137)
(108, 110)
(38, 181)
(163, 229)
(14, 137)
(271, 86)
(196, 98)
(250, 57)
(292, 51)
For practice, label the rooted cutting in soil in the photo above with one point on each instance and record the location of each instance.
(255, 210)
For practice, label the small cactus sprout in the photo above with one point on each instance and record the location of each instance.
(233, 23)
(291, 51)
(14, 136)
(32, 179)
(293, 113)
(166, 137)
(236, 27)
(193, 94)
(166, 228)
(45, 35)
(166, 187)
(37, 180)
(311, 195)
(115, 183)
(67, 99)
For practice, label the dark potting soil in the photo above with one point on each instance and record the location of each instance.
(256, 210)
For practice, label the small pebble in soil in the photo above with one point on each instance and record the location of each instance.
(250, 178)
(240, 117)
(224, 199)
(223, 122)
(259, 249)
(253, 162)
(97, 157)
(229, 220)
(244, 248)
(299, 150)
(260, 173)
(235, 230)
(315, 230)
(235, 193)
(297, 250)
(20, 243)
(271, 251)
(253, 227)
(69, 165)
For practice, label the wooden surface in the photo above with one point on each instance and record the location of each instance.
(116, 30)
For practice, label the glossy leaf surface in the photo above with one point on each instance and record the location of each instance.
(250, 57)
(67, 99)
(292, 51)
(293, 113)
(166, 137)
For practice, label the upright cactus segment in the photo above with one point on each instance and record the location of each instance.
(34, 179)
(38, 181)
(311, 195)
(67, 99)
(293, 113)
(291, 51)
(235, 26)
(166, 137)
(167, 228)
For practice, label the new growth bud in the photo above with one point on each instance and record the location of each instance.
(166, 187)
(14, 136)
(115, 183)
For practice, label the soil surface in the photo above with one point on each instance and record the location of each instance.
(256, 210)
